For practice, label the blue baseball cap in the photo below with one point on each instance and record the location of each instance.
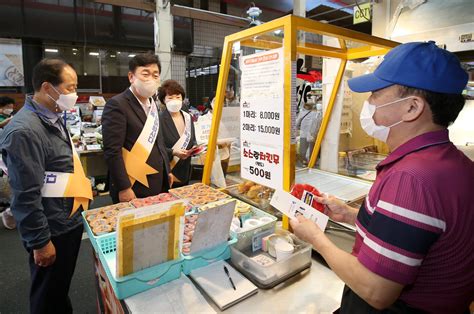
(417, 65)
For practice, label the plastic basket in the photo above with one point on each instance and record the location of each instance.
(208, 256)
(245, 237)
(103, 243)
(105, 246)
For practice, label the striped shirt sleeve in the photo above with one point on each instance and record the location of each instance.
(405, 222)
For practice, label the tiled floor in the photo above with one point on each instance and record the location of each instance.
(15, 280)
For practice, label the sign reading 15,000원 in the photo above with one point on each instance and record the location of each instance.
(261, 118)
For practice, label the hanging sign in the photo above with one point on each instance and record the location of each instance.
(261, 118)
(362, 13)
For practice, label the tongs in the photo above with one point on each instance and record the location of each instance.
(335, 226)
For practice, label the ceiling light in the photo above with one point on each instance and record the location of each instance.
(51, 50)
(112, 56)
(131, 55)
(93, 53)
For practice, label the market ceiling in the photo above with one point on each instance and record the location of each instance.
(286, 6)
(335, 12)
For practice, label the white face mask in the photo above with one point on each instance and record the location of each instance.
(367, 122)
(7, 111)
(65, 101)
(146, 88)
(174, 105)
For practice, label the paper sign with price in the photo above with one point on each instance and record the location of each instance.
(261, 118)
(292, 207)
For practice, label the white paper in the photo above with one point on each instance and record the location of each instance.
(150, 210)
(215, 283)
(261, 117)
(177, 296)
(212, 227)
(291, 207)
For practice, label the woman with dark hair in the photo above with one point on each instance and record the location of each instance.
(178, 131)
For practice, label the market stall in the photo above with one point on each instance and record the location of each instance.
(202, 248)
(269, 99)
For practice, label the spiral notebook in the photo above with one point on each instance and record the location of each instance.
(214, 282)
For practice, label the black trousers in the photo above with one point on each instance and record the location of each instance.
(49, 292)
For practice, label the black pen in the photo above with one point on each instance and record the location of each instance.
(230, 279)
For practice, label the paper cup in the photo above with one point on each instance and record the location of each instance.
(252, 223)
(283, 250)
(272, 241)
(265, 220)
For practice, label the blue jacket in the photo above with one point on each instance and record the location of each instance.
(30, 145)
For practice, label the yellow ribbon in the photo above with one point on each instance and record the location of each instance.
(78, 186)
(135, 164)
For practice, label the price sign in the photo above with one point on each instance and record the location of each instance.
(261, 118)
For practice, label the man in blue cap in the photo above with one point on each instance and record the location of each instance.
(414, 247)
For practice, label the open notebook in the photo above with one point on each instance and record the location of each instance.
(214, 282)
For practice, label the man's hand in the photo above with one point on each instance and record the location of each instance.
(126, 195)
(181, 153)
(171, 179)
(336, 209)
(45, 256)
(308, 231)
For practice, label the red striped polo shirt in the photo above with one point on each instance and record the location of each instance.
(416, 224)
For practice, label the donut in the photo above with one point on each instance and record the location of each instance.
(198, 201)
(102, 229)
(98, 222)
(90, 217)
(112, 221)
(211, 198)
(110, 213)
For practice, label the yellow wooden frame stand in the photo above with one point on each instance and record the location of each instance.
(290, 24)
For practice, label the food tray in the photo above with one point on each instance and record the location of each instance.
(342, 187)
(260, 203)
(244, 238)
(198, 194)
(152, 200)
(107, 215)
(365, 160)
(267, 277)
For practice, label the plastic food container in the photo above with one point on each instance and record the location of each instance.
(140, 281)
(269, 276)
(245, 237)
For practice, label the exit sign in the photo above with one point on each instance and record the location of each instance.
(362, 13)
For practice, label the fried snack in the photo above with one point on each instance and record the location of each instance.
(254, 191)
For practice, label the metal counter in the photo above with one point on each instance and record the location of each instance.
(316, 290)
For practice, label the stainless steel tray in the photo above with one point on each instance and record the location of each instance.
(345, 188)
